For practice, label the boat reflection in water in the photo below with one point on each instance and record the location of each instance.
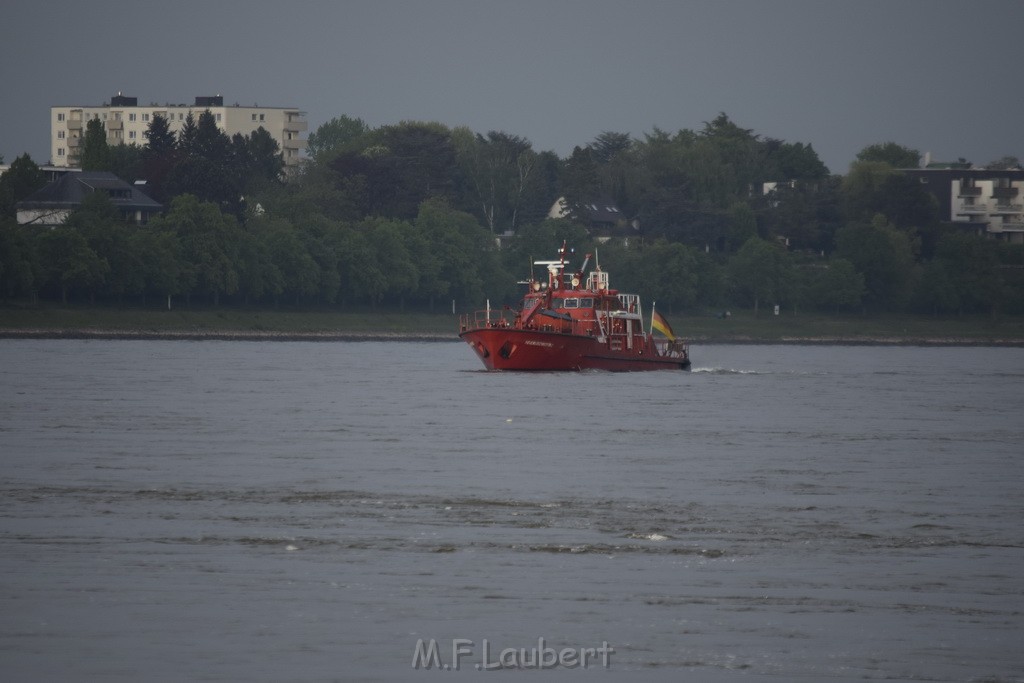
(566, 323)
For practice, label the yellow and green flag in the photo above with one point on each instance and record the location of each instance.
(659, 323)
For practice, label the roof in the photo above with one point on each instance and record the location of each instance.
(70, 190)
(601, 210)
(594, 210)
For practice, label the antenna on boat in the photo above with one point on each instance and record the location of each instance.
(586, 260)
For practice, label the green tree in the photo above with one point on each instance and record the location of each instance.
(461, 258)
(95, 155)
(20, 267)
(258, 274)
(100, 222)
(609, 145)
(937, 291)
(331, 138)
(206, 180)
(126, 162)
(160, 261)
(883, 255)
(360, 274)
(1008, 163)
(499, 171)
(211, 142)
(669, 274)
(404, 165)
(70, 263)
(580, 180)
(863, 186)
(208, 241)
(972, 263)
(793, 161)
(761, 272)
(838, 286)
(390, 244)
(300, 274)
(258, 158)
(160, 139)
(896, 156)
(618, 169)
(187, 136)
(159, 157)
(314, 234)
(421, 158)
(22, 179)
(742, 224)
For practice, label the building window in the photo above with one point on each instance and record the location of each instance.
(60, 135)
(131, 135)
(145, 117)
(131, 117)
(218, 118)
(263, 117)
(254, 117)
(60, 117)
(60, 151)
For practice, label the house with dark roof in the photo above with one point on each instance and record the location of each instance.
(601, 216)
(52, 204)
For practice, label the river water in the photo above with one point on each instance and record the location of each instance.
(291, 511)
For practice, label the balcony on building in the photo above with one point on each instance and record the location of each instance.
(295, 123)
(969, 191)
(1005, 192)
(1002, 209)
(972, 209)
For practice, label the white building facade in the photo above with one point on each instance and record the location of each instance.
(982, 201)
(126, 122)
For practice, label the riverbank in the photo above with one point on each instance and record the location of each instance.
(742, 327)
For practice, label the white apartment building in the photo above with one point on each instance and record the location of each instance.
(126, 122)
(983, 201)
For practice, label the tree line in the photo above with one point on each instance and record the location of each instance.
(417, 214)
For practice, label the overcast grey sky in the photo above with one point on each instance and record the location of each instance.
(940, 76)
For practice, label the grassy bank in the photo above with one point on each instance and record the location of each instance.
(742, 326)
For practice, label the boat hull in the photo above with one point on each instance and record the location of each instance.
(514, 349)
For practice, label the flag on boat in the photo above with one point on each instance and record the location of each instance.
(659, 323)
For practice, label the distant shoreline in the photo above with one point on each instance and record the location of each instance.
(252, 335)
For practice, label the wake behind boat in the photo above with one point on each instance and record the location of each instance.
(564, 323)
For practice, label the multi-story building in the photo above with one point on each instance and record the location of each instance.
(983, 201)
(126, 122)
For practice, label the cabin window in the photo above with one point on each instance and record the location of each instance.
(557, 303)
(572, 303)
(586, 303)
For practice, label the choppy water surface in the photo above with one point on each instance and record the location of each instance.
(243, 511)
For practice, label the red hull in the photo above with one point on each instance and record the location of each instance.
(516, 349)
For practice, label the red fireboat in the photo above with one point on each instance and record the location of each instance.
(564, 323)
